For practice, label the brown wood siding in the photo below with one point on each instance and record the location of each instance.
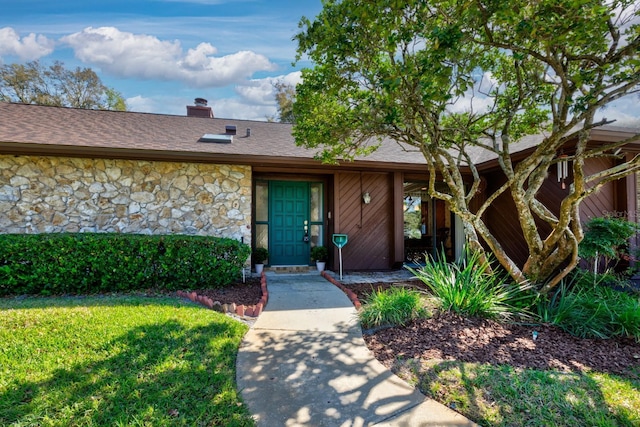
(502, 217)
(604, 201)
(398, 219)
(369, 227)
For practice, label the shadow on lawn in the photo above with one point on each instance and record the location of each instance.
(518, 397)
(482, 367)
(160, 374)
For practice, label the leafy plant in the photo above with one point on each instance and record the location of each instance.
(80, 263)
(260, 255)
(395, 306)
(592, 311)
(397, 72)
(319, 253)
(606, 237)
(587, 278)
(467, 287)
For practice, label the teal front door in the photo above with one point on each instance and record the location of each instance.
(288, 223)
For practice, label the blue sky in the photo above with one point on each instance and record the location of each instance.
(161, 54)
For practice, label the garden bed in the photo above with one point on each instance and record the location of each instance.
(447, 336)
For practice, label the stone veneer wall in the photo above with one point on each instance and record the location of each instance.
(57, 194)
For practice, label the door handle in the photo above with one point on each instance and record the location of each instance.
(306, 232)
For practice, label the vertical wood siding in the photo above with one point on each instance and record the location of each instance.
(502, 217)
(369, 227)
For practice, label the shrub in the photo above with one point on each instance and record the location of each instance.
(319, 253)
(89, 262)
(587, 279)
(606, 238)
(592, 311)
(395, 306)
(260, 255)
(467, 287)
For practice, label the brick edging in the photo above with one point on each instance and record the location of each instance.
(239, 309)
(352, 295)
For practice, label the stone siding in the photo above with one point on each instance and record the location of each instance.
(56, 194)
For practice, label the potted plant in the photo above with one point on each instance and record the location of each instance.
(260, 255)
(320, 254)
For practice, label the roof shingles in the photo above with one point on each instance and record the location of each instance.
(178, 136)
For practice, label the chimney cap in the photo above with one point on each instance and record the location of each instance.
(201, 102)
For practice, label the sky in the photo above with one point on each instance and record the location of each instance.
(162, 54)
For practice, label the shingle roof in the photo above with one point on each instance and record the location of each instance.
(113, 130)
(129, 134)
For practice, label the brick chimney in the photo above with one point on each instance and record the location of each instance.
(200, 109)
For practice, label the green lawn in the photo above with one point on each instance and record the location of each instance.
(505, 396)
(116, 361)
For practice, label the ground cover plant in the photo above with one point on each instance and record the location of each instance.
(466, 287)
(592, 311)
(117, 360)
(396, 306)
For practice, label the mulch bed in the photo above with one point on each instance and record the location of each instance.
(448, 336)
(247, 293)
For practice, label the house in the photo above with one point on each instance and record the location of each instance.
(77, 170)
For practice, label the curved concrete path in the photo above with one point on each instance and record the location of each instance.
(304, 363)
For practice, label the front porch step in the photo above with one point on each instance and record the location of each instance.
(291, 269)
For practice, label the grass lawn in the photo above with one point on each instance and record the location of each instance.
(116, 361)
(504, 396)
(494, 394)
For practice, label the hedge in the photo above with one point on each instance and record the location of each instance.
(85, 263)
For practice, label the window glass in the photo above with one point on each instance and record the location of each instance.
(316, 201)
(315, 232)
(262, 236)
(415, 210)
(262, 201)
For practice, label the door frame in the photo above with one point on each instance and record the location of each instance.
(264, 179)
(292, 224)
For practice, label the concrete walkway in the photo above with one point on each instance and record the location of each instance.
(304, 363)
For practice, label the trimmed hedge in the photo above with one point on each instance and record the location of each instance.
(85, 263)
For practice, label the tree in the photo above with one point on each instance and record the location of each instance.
(285, 97)
(404, 70)
(34, 83)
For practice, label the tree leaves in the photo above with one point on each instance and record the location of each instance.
(448, 76)
(55, 85)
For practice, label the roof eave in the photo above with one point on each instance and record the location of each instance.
(19, 148)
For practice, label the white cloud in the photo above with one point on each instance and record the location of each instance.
(132, 55)
(476, 98)
(26, 48)
(261, 91)
(233, 108)
(162, 105)
(625, 111)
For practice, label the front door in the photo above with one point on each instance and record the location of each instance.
(289, 223)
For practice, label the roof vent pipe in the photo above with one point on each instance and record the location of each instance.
(248, 132)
